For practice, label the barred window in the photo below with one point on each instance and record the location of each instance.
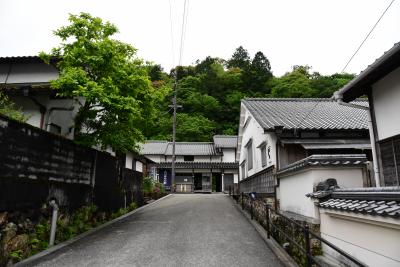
(263, 149)
(390, 155)
(249, 148)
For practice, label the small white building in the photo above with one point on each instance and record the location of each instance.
(200, 166)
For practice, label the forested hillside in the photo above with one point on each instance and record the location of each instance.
(210, 93)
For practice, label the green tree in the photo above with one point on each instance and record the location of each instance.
(108, 81)
(259, 74)
(8, 109)
(296, 83)
(240, 59)
(202, 104)
(194, 127)
(325, 86)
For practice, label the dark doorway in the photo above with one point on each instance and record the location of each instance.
(217, 177)
(198, 184)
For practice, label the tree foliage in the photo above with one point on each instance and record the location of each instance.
(211, 90)
(8, 109)
(110, 84)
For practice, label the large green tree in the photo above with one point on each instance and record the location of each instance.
(110, 84)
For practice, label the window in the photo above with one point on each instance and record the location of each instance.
(390, 155)
(188, 158)
(243, 169)
(249, 148)
(263, 149)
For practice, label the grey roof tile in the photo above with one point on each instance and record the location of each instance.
(192, 148)
(306, 113)
(154, 147)
(225, 141)
(324, 160)
(383, 201)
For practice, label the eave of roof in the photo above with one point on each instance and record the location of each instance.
(360, 85)
(344, 160)
(199, 165)
(24, 59)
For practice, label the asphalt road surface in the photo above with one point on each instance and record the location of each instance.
(181, 230)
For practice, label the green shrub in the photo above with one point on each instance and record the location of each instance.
(159, 188)
(148, 185)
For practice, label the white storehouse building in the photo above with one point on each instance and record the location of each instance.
(200, 166)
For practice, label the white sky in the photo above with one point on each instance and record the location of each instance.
(322, 34)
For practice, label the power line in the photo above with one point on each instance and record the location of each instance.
(377, 253)
(362, 43)
(184, 18)
(172, 33)
(308, 114)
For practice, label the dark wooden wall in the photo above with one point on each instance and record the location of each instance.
(36, 166)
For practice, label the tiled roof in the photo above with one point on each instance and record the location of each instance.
(225, 141)
(154, 147)
(325, 160)
(181, 148)
(199, 165)
(192, 148)
(306, 113)
(383, 201)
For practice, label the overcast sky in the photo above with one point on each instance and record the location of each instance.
(322, 34)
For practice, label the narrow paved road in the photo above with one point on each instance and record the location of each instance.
(181, 230)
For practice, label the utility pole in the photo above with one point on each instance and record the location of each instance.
(174, 134)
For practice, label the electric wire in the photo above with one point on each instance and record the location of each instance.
(307, 115)
(171, 33)
(377, 253)
(369, 33)
(184, 17)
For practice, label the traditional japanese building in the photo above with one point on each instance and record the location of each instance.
(200, 166)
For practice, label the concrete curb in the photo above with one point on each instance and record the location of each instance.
(37, 257)
(282, 255)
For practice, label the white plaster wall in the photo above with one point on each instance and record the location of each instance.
(139, 166)
(235, 178)
(63, 118)
(255, 132)
(386, 101)
(294, 186)
(202, 158)
(216, 158)
(362, 235)
(292, 190)
(29, 108)
(128, 160)
(229, 155)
